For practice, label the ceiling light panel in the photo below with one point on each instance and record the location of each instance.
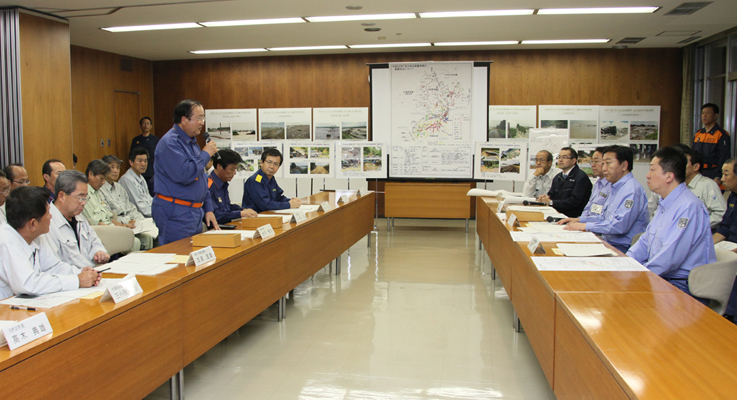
(244, 22)
(137, 28)
(367, 17)
(226, 51)
(307, 48)
(496, 43)
(597, 10)
(378, 46)
(566, 41)
(481, 13)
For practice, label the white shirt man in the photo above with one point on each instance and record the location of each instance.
(135, 184)
(28, 264)
(542, 178)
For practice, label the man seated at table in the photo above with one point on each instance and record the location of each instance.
(225, 165)
(49, 171)
(261, 192)
(679, 237)
(625, 213)
(4, 190)
(70, 235)
(17, 175)
(96, 210)
(599, 194)
(116, 199)
(727, 229)
(571, 188)
(134, 182)
(542, 178)
(28, 264)
(704, 188)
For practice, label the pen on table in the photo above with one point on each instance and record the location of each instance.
(103, 270)
(22, 308)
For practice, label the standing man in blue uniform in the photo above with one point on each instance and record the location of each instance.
(571, 189)
(625, 213)
(179, 176)
(148, 142)
(679, 237)
(224, 169)
(261, 192)
(712, 142)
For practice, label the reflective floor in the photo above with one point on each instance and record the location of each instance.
(416, 317)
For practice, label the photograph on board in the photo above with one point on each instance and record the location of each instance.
(298, 131)
(583, 129)
(643, 153)
(554, 123)
(497, 129)
(354, 130)
(647, 130)
(272, 130)
(612, 131)
(327, 132)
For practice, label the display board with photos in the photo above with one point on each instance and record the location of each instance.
(251, 154)
(585, 156)
(582, 122)
(549, 139)
(285, 124)
(309, 159)
(503, 160)
(340, 123)
(361, 160)
(511, 122)
(636, 126)
(228, 125)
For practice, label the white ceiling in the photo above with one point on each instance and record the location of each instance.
(86, 17)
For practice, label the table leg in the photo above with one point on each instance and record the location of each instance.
(280, 312)
(176, 386)
(466, 225)
(517, 323)
(337, 266)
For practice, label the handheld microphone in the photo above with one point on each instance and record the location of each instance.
(553, 219)
(533, 203)
(208, 139)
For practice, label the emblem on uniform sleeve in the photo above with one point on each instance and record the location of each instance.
(682, 223)
(629, 204)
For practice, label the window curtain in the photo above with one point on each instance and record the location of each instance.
(687, 96)
(11, 124)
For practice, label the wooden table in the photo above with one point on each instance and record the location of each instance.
(125, 351)
(444, 200)
(565, 339)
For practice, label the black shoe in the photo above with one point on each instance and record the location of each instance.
(730, 318)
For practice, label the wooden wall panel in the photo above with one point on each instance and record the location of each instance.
(518, 77)
(46, 93)
(96, 76)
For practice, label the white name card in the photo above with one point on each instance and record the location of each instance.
(344, 199)
(533, 244)
(201, 256)
(360, 192)
(500, 207)
(325, 206)
(264, 232)
(124, 290)
(28, 330)
(298, 217)
(512, 219)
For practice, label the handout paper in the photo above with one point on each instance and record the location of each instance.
(587, 264)
(579, 237)
(585, 250)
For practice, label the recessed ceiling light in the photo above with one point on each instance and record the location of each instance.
(338, 18)
(244, 22)
(152, 27)
(598, 10)
(376, 46)
(496, 43)
(307, 48)
(372, 29)
(566, 41)
(368, 24)
(226, 51)
(481, 13)
(353, 8)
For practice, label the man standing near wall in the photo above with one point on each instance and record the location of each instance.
(148, 142)
(712, 142)
(179, 176)
(50, 170)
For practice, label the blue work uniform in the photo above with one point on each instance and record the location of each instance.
(728, 229)
(179, 176)
(624, 213)
(219, 200)
(599, 194)
(263, 194)
(678, 239)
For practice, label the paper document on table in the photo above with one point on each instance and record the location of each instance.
(579, 237)
(585, 250)
(285, 218)
(542, 209)
(546, 227)
(135, 258)
(143, 268)
(726, 245)
(244, 234)
(304, 208)
(483, 192)
(58, 298)
(518, 200)
(148, 226)
(587, 264)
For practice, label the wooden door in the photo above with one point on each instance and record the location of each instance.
(126, 126)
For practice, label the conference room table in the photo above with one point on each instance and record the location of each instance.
(611, 334)
(124, 351)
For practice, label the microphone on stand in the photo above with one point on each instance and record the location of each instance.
(533, 203)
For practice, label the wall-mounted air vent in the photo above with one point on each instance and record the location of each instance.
(688, 8)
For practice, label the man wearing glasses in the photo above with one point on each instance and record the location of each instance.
(261, 192)
(71, 236)
(571, 188)
(17, 175)
(180, 180)
(542, 178)
(4, 190)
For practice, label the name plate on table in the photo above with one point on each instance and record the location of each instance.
(533, 244)
(298, 217)
(201, 256)
(361, 192)
(511, 220)
(325, 206)
(28, 330)
(264, 232)
(500, 207)
(344, 199)
(124, 290)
